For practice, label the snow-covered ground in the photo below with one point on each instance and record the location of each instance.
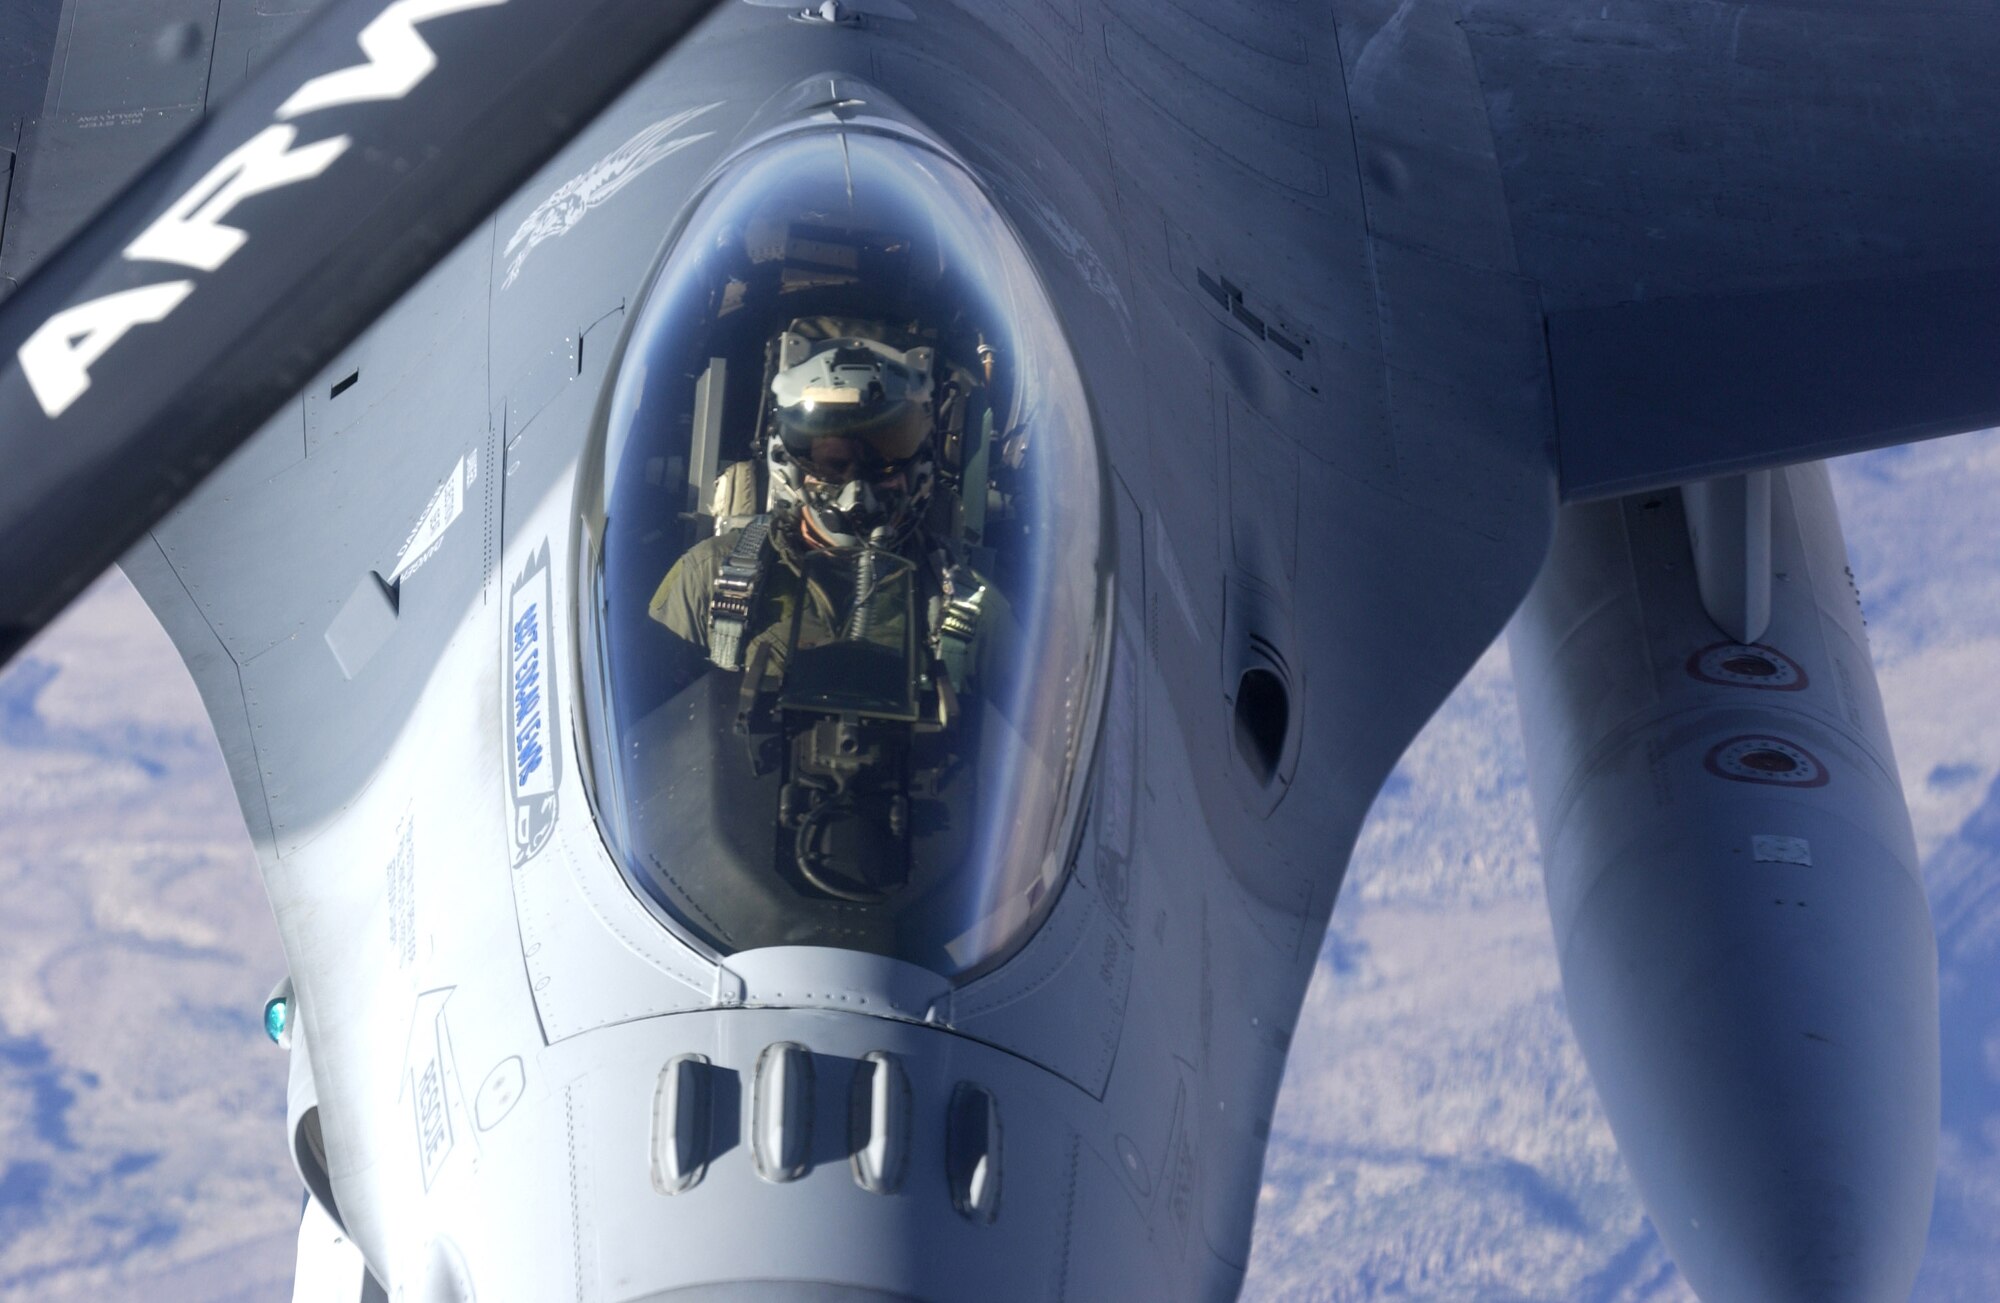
(1437, 1139)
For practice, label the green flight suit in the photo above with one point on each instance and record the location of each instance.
(681, 603)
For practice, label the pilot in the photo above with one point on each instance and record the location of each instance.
(852, 469)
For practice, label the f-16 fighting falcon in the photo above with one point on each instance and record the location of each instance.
(804, 603)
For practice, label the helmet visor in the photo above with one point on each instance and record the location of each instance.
(872, 449)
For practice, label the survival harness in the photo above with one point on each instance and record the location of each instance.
(734, 593)
(740, 578)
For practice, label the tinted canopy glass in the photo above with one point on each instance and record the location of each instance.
(843, 589)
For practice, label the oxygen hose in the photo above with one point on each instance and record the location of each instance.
(864, 585)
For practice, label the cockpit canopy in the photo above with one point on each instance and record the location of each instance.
(844, 583)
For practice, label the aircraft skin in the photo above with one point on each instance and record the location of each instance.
(1324, 375)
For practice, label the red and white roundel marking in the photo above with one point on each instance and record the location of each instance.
(1759, 758)
(1741, 665)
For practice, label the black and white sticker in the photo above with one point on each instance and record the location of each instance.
(1771, 848)
(447, 504)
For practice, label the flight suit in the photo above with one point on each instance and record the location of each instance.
(681, 603)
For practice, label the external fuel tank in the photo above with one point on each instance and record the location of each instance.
(1746, 949)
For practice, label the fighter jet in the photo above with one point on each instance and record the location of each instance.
(810, 602)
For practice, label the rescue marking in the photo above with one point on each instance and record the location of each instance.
(560, 212)
(57, 357)
(427, 1061)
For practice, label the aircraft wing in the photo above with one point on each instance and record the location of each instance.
(1761, 233)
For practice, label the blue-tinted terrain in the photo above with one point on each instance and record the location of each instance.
(141, 1110)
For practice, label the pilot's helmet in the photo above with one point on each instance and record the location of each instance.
(854, 425)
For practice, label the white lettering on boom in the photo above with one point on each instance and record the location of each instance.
(57, 357)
